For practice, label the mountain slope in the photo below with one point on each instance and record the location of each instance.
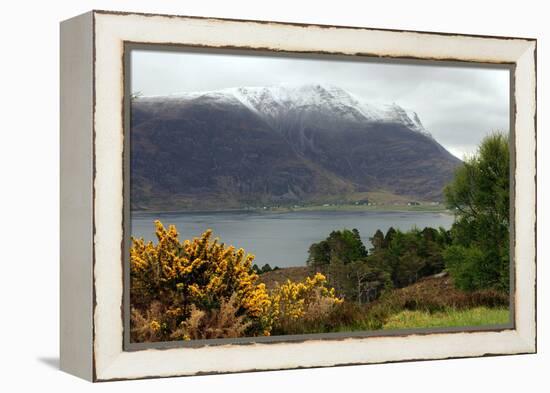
(278, 145)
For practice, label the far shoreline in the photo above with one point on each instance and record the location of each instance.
(401, 208)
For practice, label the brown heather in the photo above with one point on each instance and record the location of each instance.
(218, 323)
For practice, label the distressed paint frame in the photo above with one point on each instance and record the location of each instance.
(110, 31)
(130, 346)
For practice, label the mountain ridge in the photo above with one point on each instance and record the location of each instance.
(252, 97)
(277, 145)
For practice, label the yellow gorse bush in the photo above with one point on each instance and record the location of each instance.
(293, 300)
(200, 274)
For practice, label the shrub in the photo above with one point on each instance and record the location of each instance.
(201, 272)
(148, 326)
(295, 307)
(219, 323)
(348, 316)
(202, 289)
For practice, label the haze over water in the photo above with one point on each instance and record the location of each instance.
(283, 239)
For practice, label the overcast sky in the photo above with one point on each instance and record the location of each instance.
(457, 105)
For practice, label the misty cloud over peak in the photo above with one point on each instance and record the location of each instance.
(458, 105)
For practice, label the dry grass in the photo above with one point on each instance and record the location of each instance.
(147, 327)
(156, 324)
(437, 293)
(219, 323)
(477, 316)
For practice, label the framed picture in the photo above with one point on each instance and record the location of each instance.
(248, 195)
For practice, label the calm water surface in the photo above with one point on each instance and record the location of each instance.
(282, 239)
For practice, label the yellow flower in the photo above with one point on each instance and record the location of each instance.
(201, 271)
(155, 326)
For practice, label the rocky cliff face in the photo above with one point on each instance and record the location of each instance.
(278, 145)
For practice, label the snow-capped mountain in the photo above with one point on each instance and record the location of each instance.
(277, 103)
(257, 146)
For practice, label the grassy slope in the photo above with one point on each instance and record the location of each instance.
(477, 316)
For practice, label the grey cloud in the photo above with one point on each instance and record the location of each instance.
(458, 105)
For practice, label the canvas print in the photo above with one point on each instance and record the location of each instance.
(276, 195)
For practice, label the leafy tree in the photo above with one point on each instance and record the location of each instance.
(480, 197)
(389, 236)
(266, 268)
(406, 262)
(339, 276)
(344, 259)
(369, 280)
(431, 247)
(409, 256)
(319, 254)
(443, 237)
(409, 268)
(429, 234)
(468, 268)
(396, 259)
(377, 241)
(344, 245)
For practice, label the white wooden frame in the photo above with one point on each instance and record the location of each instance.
(92, 96)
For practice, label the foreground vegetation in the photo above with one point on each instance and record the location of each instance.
(434, 295)
(201, 289)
